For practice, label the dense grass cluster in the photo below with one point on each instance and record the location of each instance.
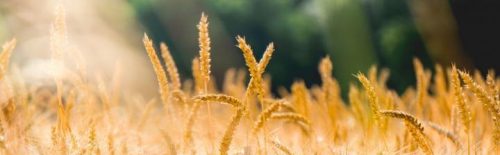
(450, 112)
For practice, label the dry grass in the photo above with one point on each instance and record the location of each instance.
(77, 116)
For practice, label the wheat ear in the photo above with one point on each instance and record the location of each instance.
(419, 137)
(414, 127)
(492, 87)
(252, 67)
(487, 102)
(300, 98)
(233, 101)
(171, 67)
(204, 41)
(356, 105)
(204, 44)
(405, 116)
(302, 121)
(421, 86)
(441, 89)
(325, 68)
(160, 73)
(264, 115)
(460, 99)
(237, 104)
(372, 95)
(262, 65)
(448, 134)
(7, 49)
(266, 58)
(480, 93)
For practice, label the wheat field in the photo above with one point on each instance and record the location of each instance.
(449, 112)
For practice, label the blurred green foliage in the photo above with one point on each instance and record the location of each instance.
(355, 33)
(287, 23)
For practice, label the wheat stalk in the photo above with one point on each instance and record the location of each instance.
(93, 146)
(188, 130)
(111, 148)
(228, 134)
(2, 134)
(198, 79)
(330, 91)
(281, 147)
(170, 143)
(204, 58)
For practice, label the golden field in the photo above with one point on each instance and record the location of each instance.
(452, 111)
